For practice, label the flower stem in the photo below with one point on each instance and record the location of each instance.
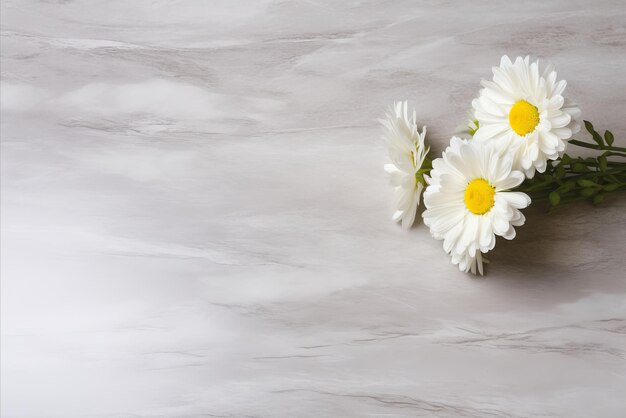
(596, 147)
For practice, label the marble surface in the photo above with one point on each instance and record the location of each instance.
(195, 219)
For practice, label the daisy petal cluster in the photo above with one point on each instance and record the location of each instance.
(519, 125)
(407, 151)
(469, 201)
(526, 109)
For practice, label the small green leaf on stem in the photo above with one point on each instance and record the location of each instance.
(588, 192)
(608, 136)
(587, 183)
(598, 138)
(611, 187)
(566, 187)
(555, 198)
(602, 163)
(579, 168)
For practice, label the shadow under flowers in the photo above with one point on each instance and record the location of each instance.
(576, 237)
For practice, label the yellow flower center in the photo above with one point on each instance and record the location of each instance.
(479, 196)
(523, 117)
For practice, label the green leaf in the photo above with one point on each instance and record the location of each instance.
(597, 199)
(611, 187)
(598, 138)
(566, 187)
(555, 198)
(602, 163)
(579, 168)
(560, 172)
(588, 192)
(608, 136)
(566, 159)
(586, 183)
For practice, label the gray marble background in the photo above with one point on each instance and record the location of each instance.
(195, 219)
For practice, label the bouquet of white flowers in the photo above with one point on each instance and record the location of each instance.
(512, 154)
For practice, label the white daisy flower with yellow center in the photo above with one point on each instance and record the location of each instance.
(528, 112)
(407, 152)
(468, 202)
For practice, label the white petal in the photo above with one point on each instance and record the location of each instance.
(518, 200)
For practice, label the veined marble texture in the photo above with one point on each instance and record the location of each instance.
(196, 222)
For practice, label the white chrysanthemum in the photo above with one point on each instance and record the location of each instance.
(468, 202)
(528, 112)
(407, 152)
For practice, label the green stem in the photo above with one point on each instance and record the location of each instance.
(596, 147)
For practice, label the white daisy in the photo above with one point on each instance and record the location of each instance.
(468, 202)
(407, 152)
(528, 112)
